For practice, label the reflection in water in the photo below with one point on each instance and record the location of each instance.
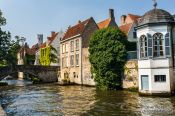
(50, 99)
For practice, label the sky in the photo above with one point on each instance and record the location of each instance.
(27, 18)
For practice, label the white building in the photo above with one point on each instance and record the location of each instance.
(156, 37)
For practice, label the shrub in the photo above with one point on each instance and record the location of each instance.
(107, 57)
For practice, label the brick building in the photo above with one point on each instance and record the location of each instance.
(74, 54)
(128, 24)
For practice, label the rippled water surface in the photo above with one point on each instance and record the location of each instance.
(54, 100)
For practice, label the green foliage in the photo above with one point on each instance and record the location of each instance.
(3, 83)
(45, 56)
(35, 80)
(131, 46)
(13, 50)
(4, 41)
(53, 56)
(29, 59)
(48, 55)
(107, 57)
(8, 47)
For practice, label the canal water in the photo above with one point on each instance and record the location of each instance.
(22, 98)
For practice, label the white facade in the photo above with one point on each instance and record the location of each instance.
(56, 44)
(131, 32)
(155, 71)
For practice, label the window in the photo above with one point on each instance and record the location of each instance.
(77, 59)
(77, 44)
(63, 48)
(72, 46)
(143, 46)
(160, 78)
(158, 45)
(66, 61)
(134, 34)
(167, 44)
(74, 74)
(63, 63)
(66, 47)
(72, 60)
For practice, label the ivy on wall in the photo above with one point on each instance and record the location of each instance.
(45, 56)
(48, 55)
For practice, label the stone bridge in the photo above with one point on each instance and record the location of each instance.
(41, 72)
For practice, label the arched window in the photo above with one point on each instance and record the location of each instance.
(158, 45)
(143, 46)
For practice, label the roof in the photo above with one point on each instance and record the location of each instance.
(29, 51)
(156, 16)
(104, 23)
(126, 28)
(52, 38)
(134, 17)
(75, 30)
(43, 45)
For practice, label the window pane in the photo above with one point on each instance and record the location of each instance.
(160, 78)
(149, 51)
(72, 60)
(77, 59)
(167, 49)
(161, 53)
(77, 44)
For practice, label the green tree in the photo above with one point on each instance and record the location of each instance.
(4, 41)
(8, 47)
(53, 55)
(107, 57)
(14, 47)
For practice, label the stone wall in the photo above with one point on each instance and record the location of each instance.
(86, 69)
(86, 66)
(131, 74)
(48, 77)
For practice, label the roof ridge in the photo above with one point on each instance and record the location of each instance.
(76, 29)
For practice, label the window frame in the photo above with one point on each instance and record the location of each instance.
(158, 45)
(77, 60)
(160, 78)
(71, 60)
(77, 44)
(66, 48)
(72, 46)
(143, 47)
(63, 48)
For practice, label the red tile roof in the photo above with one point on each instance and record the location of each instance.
(43, 45)
(134, 17)
(104, 23)
(75, 30)
(52, 38)
(125, 28)
(29, 51)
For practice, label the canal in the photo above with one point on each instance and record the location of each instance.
(21, 98)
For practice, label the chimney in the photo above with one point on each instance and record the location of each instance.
(123, 19)
(111, 14)
(69, 27)
(79, 21)
(40, 39)
(52, 33)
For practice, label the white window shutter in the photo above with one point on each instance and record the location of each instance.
(167, 45)
(150, 45)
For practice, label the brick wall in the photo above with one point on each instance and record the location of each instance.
(86, 72)
(131, 74)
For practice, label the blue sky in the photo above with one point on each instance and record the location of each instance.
(31, 17)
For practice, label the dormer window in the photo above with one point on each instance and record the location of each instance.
(143, 46)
